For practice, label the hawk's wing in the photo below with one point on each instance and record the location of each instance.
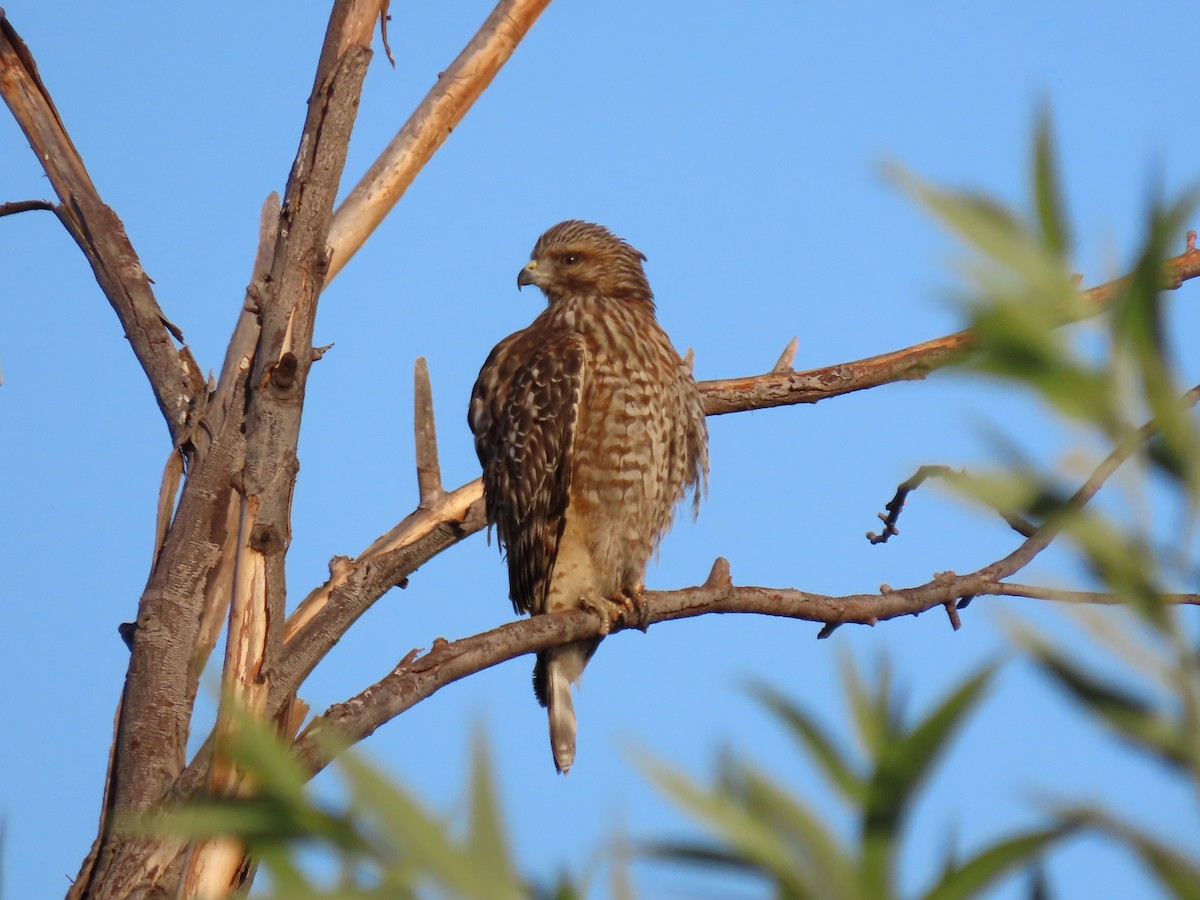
(524, 409)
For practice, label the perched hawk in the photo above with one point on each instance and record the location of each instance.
(590, 429)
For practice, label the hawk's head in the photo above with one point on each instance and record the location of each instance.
(575, 258)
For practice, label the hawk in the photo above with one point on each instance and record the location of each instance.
(590, 429)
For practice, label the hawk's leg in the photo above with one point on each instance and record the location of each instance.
(610, 610)
(633, 606)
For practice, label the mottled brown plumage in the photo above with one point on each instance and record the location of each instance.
(590, 429)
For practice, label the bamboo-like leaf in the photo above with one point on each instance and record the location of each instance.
(1177, 873)
(747, 835)
(1139, 333)
(813, 738)
(1047, 192)
(1019, 340)
(971, 877)
(871, 723)
(1124, 712)
(1017, 257)
(423, 840)
(817, 858)
(900, 770)
(486, 846)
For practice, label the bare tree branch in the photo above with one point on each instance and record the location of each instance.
(457, 88)
(282, 359)
(20, 206)
(174, 375)
(429, 468)
(218, 588)
(787, 388)
(267, 361)
(1061, 595)
(895, 506)
(420, 675)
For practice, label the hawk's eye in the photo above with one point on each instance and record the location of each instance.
(569, 259)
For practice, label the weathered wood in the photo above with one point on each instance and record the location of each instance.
(174, 376)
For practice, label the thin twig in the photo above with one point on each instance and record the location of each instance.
(174, 376)
(429, 469)
(20, 206)
(772, 389)
(1061, 595)
(895, 506)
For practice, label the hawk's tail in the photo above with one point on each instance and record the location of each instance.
(556, 671)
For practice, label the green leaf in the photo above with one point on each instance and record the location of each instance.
(747, 833)
(1015, 259)
(419, 842)
(899, 771)
(1177, 874)
(1127, 714)
(486, 846)
(873, 719)
(970, 878)
(1046, 190)
(1020, 340)
(817, 858)
(813, 738)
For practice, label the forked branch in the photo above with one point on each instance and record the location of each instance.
(174, 375)
(420, 675)
(457, 88)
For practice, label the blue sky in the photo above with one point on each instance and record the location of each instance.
(740, 147)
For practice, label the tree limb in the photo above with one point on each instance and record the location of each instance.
(420, 675)
(1061, 595)
(20, 206)
(457, 88)
(282, 359)
(786, 388)
(174, 375)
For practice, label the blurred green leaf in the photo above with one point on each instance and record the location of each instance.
(1021, 341)
(905, 761)
(971, 877)
(820, 746)
(486, 847)
(762, 827)
(1177, 874)
(1129, 715)
(1046, 190)
(876, 712)
(1139, 335)
(732, 819)
(1012, 259)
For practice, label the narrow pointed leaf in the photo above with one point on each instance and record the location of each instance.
(486, 846)
(870, 722)
(1124, 712)
(970, 878)
(745, 834)
(1046, 190)
(817, 742)
(1177, 873)
(909, 757)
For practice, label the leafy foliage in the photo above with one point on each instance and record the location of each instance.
(763, 828)
(383, 842)
(1019, 296)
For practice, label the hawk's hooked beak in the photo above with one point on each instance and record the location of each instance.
(525, 276)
